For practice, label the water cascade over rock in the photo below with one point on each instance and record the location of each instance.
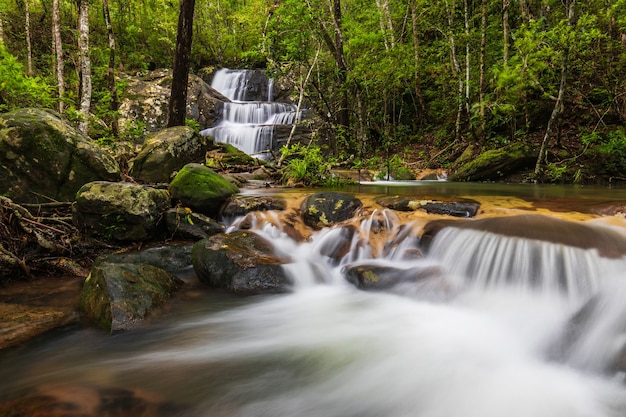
(250, 119)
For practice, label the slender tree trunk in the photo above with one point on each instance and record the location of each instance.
(558, 105)
(114, 105)
(85, 65)
(58, 50)
(342, 116)
(505, 30)
(29, 49)
(416, 60)
(457, 69)
(177, 109)
(386, 25)
(467, 56)
(481, 80)
(524, 11)
(1, 28)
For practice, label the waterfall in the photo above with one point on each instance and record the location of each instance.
(249, 121)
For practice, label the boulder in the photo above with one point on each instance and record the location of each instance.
(147, 99)
(182, 223)
(496, 164)
(225, 155)
(458, 208)
(171, 258)
(120, 211)
(375, 277)
(201, 189)
(43, 158)
(167, 151)
(119, 296)
(239, 206)
(327, 208)
(241, 262)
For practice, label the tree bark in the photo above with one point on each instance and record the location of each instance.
(85, 65)
(558, 105)
(505, 30)
(58, 50)
(177, 109)
(114, 105)
(29, 49)
(456, 67)
(342, 116)
(481, 79)
(1, 28)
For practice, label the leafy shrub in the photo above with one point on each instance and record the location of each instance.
(16, 89)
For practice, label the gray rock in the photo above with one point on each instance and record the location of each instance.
(120, 211)
(41, 156)
(120, 296)
(171, 258)
(241, 262)
(166, 152)
(328, 208)
(184, 224)
(458, 208)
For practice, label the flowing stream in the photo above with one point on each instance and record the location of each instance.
(491, 333)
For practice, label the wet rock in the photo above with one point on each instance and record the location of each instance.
(381, 277)
(241, 262)
(119, 296)
(328, 208)
(182, 223)
(41, 156)
(147, 99)
(201, 189)
(166, 152)
(226, 156)
(171, 258)
(120, 211)
(239, 206)
(459, 208)
(496, 164)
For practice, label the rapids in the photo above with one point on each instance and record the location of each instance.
(463, 346)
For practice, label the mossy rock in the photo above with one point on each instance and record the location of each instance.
(201, 189)
(497, 164)
(226, 155)
(42, 156)
(328, 208)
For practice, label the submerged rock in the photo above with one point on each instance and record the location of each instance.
(201, 189)
(241, 262)
(459, 208)
(328, 208)
(120, 211)
(118, 296)
(166, 152)
(43, 158)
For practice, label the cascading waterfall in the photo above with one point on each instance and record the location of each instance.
(250, 119)
(500, 343)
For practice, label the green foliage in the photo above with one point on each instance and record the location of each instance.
(16, 89)
(307, 165)
(394, 169)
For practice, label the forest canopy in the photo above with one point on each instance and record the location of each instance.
(392, 75)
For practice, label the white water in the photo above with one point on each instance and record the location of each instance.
(248, 125)
(330, 350)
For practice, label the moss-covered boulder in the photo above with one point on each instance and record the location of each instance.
(119, 296)
(496, 164)
(225, 155)
(42, 158)
(167, 151)
(328, 208)
(171, 258)
(201, 189)
(182, 223)
(120, 210)
(241, 262)
(239, 206)
(454, 208)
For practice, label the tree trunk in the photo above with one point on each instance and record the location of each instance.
(85, 65)
(177, 109)
(457, 69)
(416, 61)
(558, 105)
(342, 116)
(29, 49)
(524, 11)
(114, 105)
(386, 25)
(1, 28)
(58, 50)
(467, 56)
(481, 79)
(505, 30)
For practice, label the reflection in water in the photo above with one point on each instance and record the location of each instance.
(330, 350)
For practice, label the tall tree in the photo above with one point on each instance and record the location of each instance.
(58, 52)
(29, 47)
(178, 97)
(506, 30)
(111, 69)
(85, 65)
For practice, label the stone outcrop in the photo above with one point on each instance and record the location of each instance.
(43, 158)
(119, 296)
(120, 211)
(328, 208)
(147, 99)
(496, 164)
(201, 189)
(167, 151)
(240, 262)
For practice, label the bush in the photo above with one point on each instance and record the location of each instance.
(16, 89)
